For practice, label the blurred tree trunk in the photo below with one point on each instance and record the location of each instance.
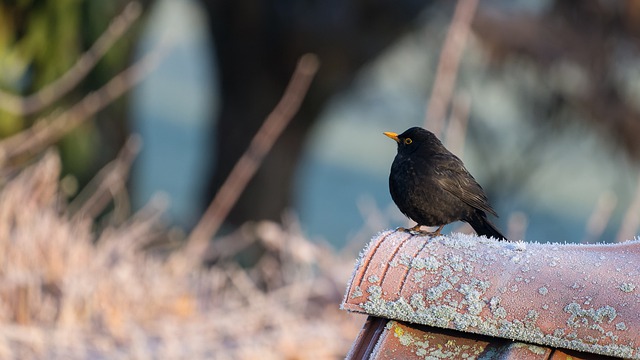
(257, 44)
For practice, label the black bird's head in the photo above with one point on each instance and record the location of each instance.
(412, 139)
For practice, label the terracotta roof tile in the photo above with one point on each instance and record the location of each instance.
(580, 297)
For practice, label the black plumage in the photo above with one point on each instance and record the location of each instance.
(431, 186)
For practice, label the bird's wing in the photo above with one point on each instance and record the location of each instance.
(455, 179)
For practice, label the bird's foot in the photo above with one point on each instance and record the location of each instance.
(418, 232)
(401, 229)
(413, 231)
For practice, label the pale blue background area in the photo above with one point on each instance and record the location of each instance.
(171, 110)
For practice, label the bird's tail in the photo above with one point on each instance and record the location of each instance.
(483, 226)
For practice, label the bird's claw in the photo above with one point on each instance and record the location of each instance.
(417, 232)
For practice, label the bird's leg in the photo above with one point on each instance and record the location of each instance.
(417, 231)
(437, 232)
(414, 230)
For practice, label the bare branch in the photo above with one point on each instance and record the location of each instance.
(600, 216)
(631, 220)
(448, 65)
(457, 126)
(47, 132)
(52, 92)
(247, 165)
(110, 181)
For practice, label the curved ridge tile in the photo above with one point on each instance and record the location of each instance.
(580, 297)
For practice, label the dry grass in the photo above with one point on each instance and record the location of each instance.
(69, 292)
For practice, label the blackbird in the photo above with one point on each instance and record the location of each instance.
(431, 186)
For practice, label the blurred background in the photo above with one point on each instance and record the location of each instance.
(547, 91)
(542, 103)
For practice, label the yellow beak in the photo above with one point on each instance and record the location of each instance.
(392, 135)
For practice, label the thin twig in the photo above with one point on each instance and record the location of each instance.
(47, 132)
(457, 126)
(631, 220)
(600, 217)
(107, 183)
(448, 65)
(46, 96)
(517, 225)
(247, 165)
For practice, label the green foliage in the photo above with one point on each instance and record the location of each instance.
(40, 40)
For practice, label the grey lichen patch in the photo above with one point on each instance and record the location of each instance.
(482, 285)
(403, 260)
(429, 263)
(419, 278)
(494, 302)
(627, 287)
(489, 258)
(498, 311)
(611, 336)
(417, 301)
(531, 319)
(538, 350)
(581, 317)
(357, 292)
(423, 347)
(374, 291)
(473, 293)
(461, 241)
(447, 272)
(373, 279)
(543, 290)
(475, 307)
(404, 338)
(559, 333)
(436, 292)
(576, 286)
(592, 319)
(460, 264)
(621, 326)
(454, 279)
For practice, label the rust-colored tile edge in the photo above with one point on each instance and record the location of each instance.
(382, 339)
(397, 270)
(394, 263)
(563, 354)
(367, 339)
(415, 342)
(365, 275)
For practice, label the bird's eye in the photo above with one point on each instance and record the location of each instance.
(407, 141)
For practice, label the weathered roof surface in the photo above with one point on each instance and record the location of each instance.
(580, 297)
(382, 339)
